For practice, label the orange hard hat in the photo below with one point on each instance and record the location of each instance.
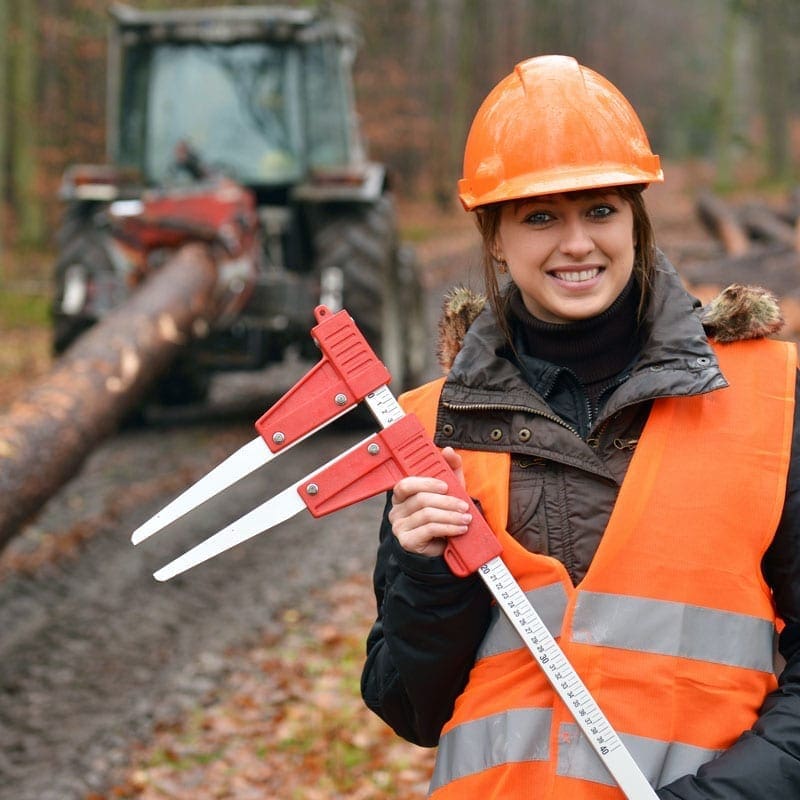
(553, 126)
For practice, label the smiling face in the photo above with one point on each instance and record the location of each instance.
(570, 255)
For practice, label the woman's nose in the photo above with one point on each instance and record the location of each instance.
(576, 241)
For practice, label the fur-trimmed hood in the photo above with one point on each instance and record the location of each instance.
(739, 312)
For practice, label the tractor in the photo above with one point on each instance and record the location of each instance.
(239, 119)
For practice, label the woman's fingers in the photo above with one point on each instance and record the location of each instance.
(418, 496)
(436, 521)
(406, 488)
(453, 460)
(423, 515)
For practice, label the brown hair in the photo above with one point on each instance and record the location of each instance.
(487, 218)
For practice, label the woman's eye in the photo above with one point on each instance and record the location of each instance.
(601, 212)
(538, 218)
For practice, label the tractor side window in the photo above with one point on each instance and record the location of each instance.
(329, 103)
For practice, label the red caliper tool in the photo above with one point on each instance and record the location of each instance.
(349, 373)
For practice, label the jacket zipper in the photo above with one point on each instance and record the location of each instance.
(594, 441)
(508, 407)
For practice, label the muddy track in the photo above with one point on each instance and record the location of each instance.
(93, 652)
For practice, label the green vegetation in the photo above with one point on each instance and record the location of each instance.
(23, 309)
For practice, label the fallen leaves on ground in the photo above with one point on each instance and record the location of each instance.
(289, 722)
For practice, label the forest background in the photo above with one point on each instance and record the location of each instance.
(717, 80)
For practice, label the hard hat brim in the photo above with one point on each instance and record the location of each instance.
(556, 182)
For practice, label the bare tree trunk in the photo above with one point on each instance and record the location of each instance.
(775, 79)
(24, 105)
(49, 431)
(446, 21)
(4, 37)
(727, 95)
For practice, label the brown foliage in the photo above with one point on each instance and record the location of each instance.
(424, 67)
(288, 723)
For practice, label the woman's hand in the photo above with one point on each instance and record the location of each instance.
(423, 516)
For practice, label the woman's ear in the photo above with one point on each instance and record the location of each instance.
(496, 251)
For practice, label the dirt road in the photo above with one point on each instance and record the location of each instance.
(94, 652)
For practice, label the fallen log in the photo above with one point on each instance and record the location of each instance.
(774, 267)
(48, 432)
(764, 224)
(722, 222)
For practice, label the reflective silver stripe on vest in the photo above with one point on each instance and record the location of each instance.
(523, 735)
(511, 736)
(549, 602)
(674, 629)
(661, 762)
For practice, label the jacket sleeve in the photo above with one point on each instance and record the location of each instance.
(764, 763)
(423, 644)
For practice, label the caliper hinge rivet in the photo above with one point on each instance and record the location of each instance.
(374, 449)
(312, 488)
(278, 438)
(340, 399)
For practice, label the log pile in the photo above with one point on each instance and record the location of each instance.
(759, 245)
(49, 431)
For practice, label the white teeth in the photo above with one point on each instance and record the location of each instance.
(578, 275)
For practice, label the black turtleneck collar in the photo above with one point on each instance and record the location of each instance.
(595, 349)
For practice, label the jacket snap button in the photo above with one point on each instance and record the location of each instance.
(703, 361)
(656, 367)
(525, 435)
(448, 429)
(496, 435)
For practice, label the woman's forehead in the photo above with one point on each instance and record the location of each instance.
(582, 194)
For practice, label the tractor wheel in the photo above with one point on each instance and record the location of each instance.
(381, 289)
(78, 271)
(413, 317)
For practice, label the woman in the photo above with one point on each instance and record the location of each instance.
(638, 463)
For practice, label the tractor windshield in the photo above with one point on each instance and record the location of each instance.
(240, 109)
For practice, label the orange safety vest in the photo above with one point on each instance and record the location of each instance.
(673, 627)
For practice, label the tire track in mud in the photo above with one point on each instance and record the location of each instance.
(94, 652)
